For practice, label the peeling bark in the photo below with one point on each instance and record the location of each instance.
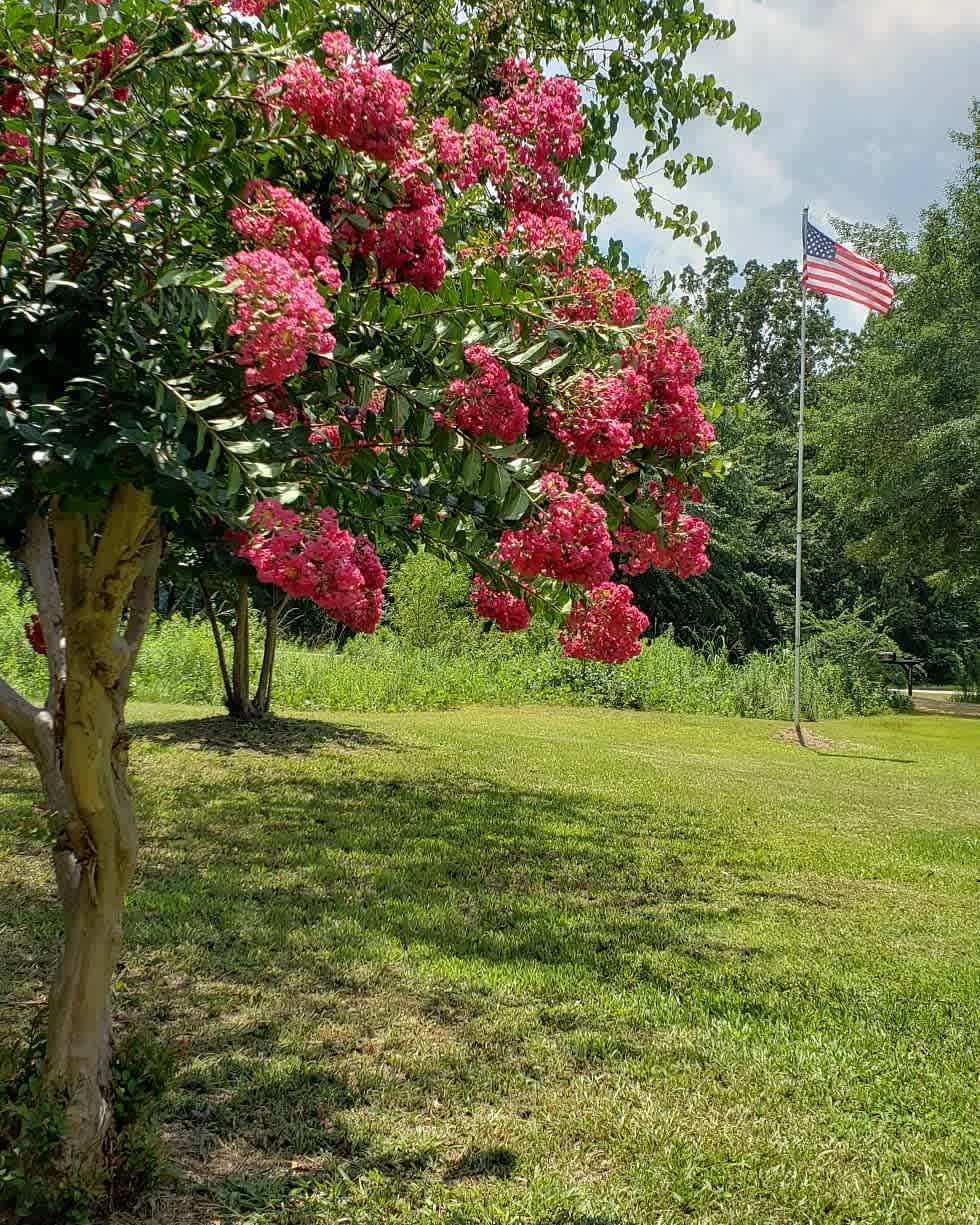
(78, 740)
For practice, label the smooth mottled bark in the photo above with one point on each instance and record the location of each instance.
(83, 587)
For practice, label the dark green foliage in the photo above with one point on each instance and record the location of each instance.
(900, 440)
(34, 1187)
(861, 476)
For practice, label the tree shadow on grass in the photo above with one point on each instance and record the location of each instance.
(334, 953)
(271, 735)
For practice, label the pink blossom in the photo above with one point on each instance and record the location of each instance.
(273, 218)
(106, 60)
(487, 403)
(280, 316)
(606, 626)
(252, 8)
(361, 105)
(568, 540)
(508, 612)
(407, 244)
(270, 404)
(589, 418)
(469, 156)
(556, 236)
(679, 548)
(680, 544)
(12, 100)
(14, 147)
(666, 362)
(324, 563)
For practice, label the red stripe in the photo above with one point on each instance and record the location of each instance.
(836, 292)
(853, 257)
(876, 289)
(844, 291)
(830, 274)
(841, 269)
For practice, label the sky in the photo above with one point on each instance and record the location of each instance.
(857, 99)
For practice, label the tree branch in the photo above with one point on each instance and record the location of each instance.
(38, 556)
(141, 601)
(216, 631)
(21, 717)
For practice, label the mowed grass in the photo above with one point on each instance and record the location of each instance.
(547, 967)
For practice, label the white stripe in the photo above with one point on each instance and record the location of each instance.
(851, 274)
(859, 260)
(829, 274)
(852, 295)
(883, 293)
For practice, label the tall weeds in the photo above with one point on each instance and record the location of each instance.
(397, 670)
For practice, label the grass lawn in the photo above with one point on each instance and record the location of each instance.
(547, 966)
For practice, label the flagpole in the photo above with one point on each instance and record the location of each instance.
(799, 507)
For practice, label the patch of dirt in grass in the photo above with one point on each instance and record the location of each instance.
(811, 740)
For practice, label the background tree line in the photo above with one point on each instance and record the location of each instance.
(892, 476)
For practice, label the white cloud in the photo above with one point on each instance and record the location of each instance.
(857, 97)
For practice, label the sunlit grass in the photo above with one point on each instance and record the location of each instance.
(534, 966)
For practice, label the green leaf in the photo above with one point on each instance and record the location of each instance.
(472, 467)
(516, 503)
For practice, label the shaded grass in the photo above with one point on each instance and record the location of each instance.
(548, 967)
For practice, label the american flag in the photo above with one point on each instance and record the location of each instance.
(829, 268)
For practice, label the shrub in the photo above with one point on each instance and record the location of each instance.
(34, 1185)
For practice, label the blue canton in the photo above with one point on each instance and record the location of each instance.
(817, 244)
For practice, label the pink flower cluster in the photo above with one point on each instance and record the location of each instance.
(108, 59)
(12, 100)
(539, 235)
(273, 218)
(279, 315)
(339, 572)
(591, 420)
(270, 404)
(542, 114)
(679, 548)
(680, 545)
(668, 364)
(597, 296)
(568, 540)
(14, 147)
(407, 244)
(466, 157)
(606, 626)
(487, 403)
(508, 612)
(361, 105)
(650, 401)
(35, 635)
(251, 8)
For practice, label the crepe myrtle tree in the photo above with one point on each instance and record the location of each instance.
(253, 289)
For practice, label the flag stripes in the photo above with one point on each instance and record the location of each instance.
(831, 269)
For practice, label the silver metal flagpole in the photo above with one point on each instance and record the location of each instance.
(799, 507)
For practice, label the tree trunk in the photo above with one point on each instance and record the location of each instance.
(79, 743)
(219, 645)
(263, 693)
(241, 705)
(97, 844)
